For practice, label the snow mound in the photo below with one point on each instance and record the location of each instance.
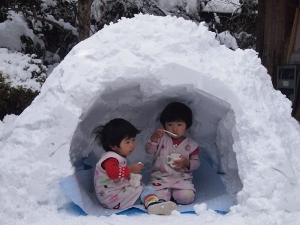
(132, 69)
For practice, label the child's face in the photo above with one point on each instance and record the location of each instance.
(176, 127)
(127, 146)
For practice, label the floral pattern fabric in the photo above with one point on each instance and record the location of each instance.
(114, 193)
(163, 176)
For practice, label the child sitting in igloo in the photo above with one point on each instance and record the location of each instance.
(172, 178)
(112, 175)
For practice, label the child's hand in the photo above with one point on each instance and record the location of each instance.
(159, 133)
(181, 163)
(136, 167)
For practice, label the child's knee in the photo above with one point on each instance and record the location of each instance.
(184, 197)
(164, 194)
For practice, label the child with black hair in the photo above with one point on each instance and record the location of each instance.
(174, 179)
(112, 175)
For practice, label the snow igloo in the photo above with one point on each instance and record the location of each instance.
(133, 69)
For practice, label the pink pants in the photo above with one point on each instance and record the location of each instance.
(182, 197)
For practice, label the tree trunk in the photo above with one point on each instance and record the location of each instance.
(260, 28)
(84, 15)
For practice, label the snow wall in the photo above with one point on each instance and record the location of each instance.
(132, 69)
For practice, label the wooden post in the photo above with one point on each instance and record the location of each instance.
(293, 37)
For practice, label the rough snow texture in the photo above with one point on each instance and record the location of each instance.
(17, 69)
(223, 6)
(132, 69)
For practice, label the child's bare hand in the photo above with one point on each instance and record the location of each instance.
(181, 163)
(159, 133)
(136, 167)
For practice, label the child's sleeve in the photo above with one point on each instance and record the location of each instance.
(194, 159)
(113, 170)
(151, 147)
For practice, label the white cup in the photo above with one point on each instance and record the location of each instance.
(135, 180)
(173, 157)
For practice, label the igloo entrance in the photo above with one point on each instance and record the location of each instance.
(213, 128)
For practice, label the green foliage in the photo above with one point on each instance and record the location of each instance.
(245, 40)
(58, 40)
(31, 48)
(112, 11)
(242, 25)
(241, 20)
(13, 100)
(3, 13)
(46, 23)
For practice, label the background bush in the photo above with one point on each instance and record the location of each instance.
(13, 100)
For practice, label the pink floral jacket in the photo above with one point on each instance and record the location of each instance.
(117, 193)
(163, 176)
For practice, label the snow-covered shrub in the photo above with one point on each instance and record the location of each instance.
(13, 100)
(245, 40)
(21, 78)
(35, 27)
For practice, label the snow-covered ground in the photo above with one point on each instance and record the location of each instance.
(131, 70)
